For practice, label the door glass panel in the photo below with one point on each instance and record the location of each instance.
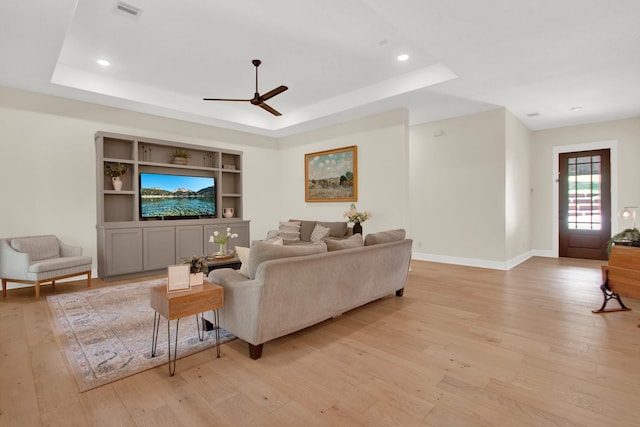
(584, 193)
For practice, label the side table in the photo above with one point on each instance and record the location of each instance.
(175, 305)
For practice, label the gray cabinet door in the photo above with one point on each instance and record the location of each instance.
(124, 251)
(159, 247)
(189, 242)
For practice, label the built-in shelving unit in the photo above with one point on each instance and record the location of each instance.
(128, 245)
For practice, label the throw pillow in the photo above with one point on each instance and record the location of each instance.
(338, 229)
(384, 237)
(319, 233)
(261, 252)
(289, 231)
(306, 227)
(243, 254)
(354, 241)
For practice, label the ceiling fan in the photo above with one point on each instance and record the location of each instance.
(257, 99)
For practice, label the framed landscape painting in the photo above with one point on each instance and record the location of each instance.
(332, 175)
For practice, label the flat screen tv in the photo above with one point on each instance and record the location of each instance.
(164, 196)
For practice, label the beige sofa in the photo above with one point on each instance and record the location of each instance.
(289, 288)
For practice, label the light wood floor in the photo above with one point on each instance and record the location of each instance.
(463, 347)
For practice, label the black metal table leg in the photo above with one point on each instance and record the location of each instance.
(216, 319)
(201, 333)
(172, 371)
(154, 338)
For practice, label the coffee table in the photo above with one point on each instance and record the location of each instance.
(178, 304)
(212, 263)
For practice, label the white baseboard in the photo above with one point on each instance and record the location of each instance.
(472, 262)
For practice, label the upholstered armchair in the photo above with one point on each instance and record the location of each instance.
(40, 259)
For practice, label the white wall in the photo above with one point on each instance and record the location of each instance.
(383, 173)
(517, 190)
(459, 186)
(47, 164)
(625, 132)
(457, 189)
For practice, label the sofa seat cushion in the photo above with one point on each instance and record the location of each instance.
(53, 264)
(38, 247)
(338, 229)
(261, 252)
(354, 241)
(384, 237)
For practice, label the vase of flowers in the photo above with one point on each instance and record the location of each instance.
(357, 218)
(196, 267)
(115, 171)
(222, 240)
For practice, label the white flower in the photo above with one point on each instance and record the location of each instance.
(222, 239)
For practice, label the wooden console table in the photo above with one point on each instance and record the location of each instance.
(621, 276)
(175, 305)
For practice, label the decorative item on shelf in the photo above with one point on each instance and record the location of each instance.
(115, 171)
(196, 267)
(180, 156)
(228, 212)
(357, 218)
(229, 166)
(222, 240)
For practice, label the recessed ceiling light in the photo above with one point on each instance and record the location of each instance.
(103, 62)
(576, 109)
(403, 57)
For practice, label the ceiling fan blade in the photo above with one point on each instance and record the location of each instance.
(269, 109)
(225, 99)
(274, 92)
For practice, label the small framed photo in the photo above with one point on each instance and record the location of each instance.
(178, 278)
(332, 175)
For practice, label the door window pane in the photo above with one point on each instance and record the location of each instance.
(584, 193)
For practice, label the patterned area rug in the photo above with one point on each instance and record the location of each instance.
(107, 333)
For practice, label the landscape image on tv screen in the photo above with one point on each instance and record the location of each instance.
(176, 196)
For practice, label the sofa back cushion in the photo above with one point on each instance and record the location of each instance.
(354, 241)
(38, 247)
(338, 228)
(384, 237)
(261, 252)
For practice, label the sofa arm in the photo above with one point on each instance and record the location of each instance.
(13, 264)
(68, 250)
(241, 310)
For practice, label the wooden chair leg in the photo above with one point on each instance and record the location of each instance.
(37, 290)
(88, 279)
(4, 288)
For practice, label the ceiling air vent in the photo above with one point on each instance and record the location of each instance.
(127, 10)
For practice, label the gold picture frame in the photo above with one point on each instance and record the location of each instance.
(331, 175)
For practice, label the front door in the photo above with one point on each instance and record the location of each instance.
(585, 204)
